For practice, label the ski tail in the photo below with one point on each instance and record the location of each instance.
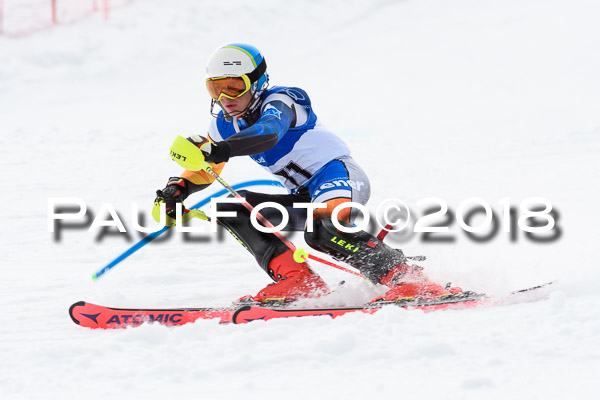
(530, 289)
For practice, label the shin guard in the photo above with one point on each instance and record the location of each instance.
(363, 251)
(263, 246)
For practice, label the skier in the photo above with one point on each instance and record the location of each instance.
(278, 128)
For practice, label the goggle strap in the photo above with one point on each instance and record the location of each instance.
(258, 71)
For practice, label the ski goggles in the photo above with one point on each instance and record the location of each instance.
(234, 86)
(231, 87)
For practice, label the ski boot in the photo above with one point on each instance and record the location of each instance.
(408, 282)
(292, 281)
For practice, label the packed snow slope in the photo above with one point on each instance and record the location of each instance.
(491, 99)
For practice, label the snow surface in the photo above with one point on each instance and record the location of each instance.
(449, 99)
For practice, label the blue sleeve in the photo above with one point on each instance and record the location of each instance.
(274, 122)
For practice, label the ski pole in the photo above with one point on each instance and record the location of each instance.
(334, 265)
(300, 255)
(190, 157)
(150, 237)
(312, 257)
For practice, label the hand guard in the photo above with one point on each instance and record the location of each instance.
(175, 192)
(213, 152)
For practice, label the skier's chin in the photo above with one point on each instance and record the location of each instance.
(235, 113)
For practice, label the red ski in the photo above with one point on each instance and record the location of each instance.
(252, 313)
(451, 302)
(93, 316)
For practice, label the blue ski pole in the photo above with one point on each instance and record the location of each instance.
(147, 239)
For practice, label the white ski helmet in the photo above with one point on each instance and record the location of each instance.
(239, 60)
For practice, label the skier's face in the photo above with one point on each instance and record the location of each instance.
(238, 105)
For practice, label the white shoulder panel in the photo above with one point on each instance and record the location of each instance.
(301, 113)
(213, 131)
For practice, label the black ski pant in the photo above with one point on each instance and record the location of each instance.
(369, 255)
